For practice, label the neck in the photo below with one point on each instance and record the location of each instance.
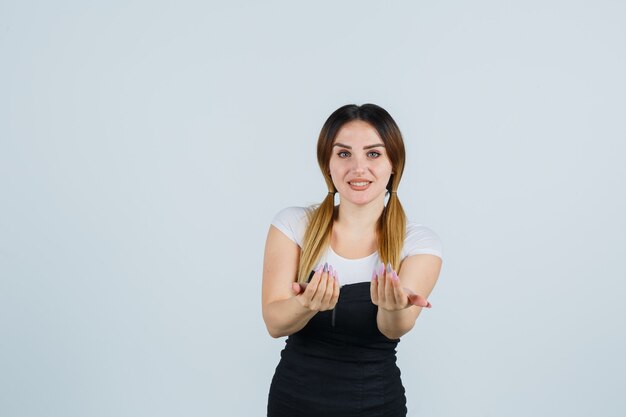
(362, 218)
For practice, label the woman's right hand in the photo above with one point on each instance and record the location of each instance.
(321, 293)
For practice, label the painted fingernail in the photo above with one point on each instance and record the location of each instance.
(382, 269)
(330, 270)
(325, 266)
(388, 266)
(319, 268)
(374, 275)
(394, 276)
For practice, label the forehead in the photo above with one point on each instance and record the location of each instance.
(357, 132)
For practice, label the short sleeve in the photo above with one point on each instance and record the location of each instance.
(292, 222)
(421, 240)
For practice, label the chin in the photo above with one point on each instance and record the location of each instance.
(359, 200)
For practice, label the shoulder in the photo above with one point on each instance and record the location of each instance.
(420, 239)
(292, 222)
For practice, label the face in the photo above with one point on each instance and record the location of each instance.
(359, 166)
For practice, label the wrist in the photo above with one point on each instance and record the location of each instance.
(303, 308)
(395, 309)
(394, 323)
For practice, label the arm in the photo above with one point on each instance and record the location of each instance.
(284, 312)
(397, 299)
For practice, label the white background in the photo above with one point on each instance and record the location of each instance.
(146, 146)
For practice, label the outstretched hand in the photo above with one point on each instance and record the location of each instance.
(321, 293)
(387, 293)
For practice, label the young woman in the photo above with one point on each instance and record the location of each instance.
(346, 282)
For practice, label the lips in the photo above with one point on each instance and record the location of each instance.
(359, 184)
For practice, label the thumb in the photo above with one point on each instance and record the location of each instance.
(416, 299)
(297, 288)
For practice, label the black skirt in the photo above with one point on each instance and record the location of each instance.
(339, 364)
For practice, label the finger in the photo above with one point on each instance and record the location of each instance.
(400, 297)
(297, 288)
(336, 290)
(381, 284)
(374, 288)
(390, 297)
(333, 288)
(314, 283)
(320, 291)
(336, 277)
(416, 299)
(419, 301)
(328, 293)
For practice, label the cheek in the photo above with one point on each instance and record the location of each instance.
(334, 167)
(385, 167)
(387, 163)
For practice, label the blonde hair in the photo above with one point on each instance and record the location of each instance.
(391, 227)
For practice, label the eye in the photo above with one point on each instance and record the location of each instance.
(343, 154)
(373, 154)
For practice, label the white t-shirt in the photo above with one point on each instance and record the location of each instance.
(419, 239)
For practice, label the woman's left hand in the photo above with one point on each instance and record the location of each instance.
(387, 293)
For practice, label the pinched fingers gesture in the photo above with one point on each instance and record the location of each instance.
(387, 293)
(321, 293)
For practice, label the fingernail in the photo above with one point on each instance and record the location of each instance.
(325, 266)
(388, 266)
(319, 268)
(382, 269)
(330, 269)
(394, 276)
(374, 275)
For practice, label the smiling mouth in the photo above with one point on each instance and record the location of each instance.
(359, 185)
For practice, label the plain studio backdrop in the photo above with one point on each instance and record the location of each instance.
(146, 146)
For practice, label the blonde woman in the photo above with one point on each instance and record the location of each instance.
(345, 282)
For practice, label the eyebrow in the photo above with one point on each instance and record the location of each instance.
(365, 147)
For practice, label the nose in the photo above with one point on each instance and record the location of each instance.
(359, 165)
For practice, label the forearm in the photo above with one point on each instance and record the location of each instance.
(395, 324)
(285, 317)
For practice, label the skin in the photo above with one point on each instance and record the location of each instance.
(359, 154)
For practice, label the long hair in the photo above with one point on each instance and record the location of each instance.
(391, 226)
